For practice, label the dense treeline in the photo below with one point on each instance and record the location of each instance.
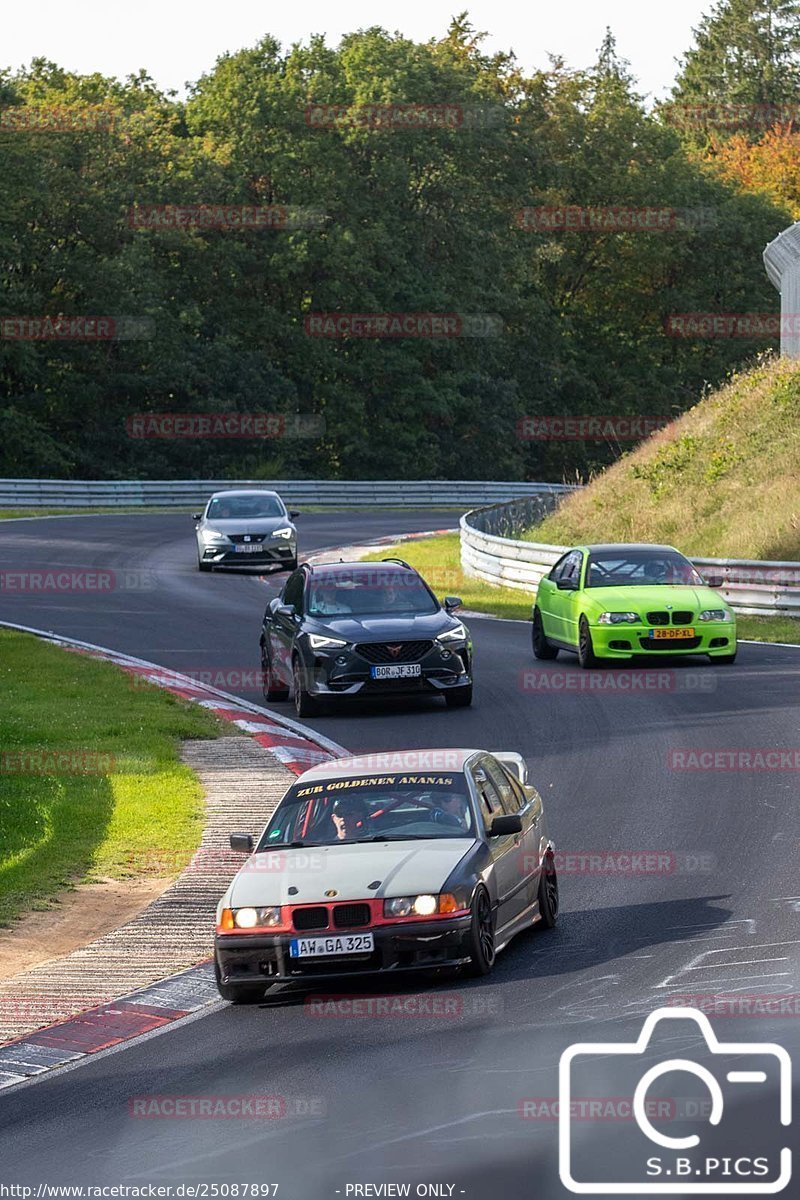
(391, 220)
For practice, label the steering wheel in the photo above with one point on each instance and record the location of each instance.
(440, 817)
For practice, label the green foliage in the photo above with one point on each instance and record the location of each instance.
(416, 220)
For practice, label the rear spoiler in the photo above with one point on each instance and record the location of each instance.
(515, 762)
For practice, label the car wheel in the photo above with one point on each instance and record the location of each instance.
(548, 893)
(203, 566)
(586, 655)
(239, 993)
(724, 660)
(541, 647)
(271, 686)
(460, 697)
(482, 954)
(304, 704)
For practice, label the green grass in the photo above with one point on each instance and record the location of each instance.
(720, 482)
(141, 814)
(438, 560)
(769, 629)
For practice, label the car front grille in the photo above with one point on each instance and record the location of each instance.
(310, 918)
(662, 618)
(657, 618)
(400, 652)
(246, 537)
(348, 916)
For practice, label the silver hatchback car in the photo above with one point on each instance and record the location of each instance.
(246, 527)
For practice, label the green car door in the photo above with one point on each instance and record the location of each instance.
(558, 598)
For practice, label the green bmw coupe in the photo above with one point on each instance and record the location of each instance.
(616, 601)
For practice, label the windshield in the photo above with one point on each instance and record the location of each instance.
(357, 593)
(371, 808)
(234, 508)
(640, 568)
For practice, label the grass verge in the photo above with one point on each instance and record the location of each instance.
(121, 805)
(439, 561)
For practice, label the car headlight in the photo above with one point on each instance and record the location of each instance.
(213, 535)
(252, 918)
(715, 614)
(457, 634)
(286, 532)
(319, 641)
(420, 906)
(618, 618)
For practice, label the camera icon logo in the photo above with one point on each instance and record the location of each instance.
(732, 1078)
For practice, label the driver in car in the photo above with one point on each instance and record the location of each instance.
(349, 818)
(453, 807)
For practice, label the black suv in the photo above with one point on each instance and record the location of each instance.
(359, 629)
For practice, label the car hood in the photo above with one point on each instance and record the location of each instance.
(400, 868)
(380, 627)
(247, 524)
(648, 599)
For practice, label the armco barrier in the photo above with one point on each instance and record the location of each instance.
(489, 551)
(334, 493)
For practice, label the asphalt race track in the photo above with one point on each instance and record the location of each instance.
(440, 1100)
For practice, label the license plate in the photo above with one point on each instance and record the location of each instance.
(674, 635)
(397, 671)
(248, 549)
(321, 947)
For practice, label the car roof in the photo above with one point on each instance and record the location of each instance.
(381, 762)
(358, 567)
(244, 492)
(605, 547)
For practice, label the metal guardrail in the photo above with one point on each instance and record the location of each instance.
(758, 588)
(422, 493)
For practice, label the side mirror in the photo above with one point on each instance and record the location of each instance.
(715, 581)
(288, 611)
(294, 515)
(243, 842)
(567, 585)
(197, 516)
(452, 602)
(502, 826)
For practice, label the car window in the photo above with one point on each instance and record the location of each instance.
(640, 568)
(293, 591)
(490, 803)
(236, 508)
(508, 796)
(572, 567)
(555, 574)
